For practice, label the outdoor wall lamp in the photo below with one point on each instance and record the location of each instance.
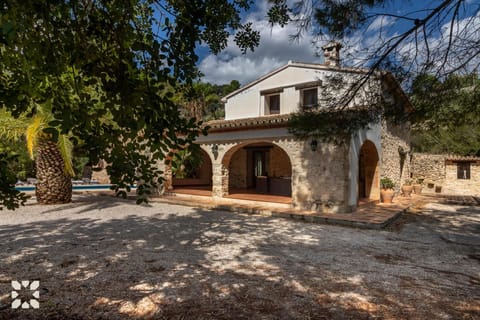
(215, 151)
(314, 145)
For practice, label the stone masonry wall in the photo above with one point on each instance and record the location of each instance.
(101, 175)
(430, 168)
(279, 163)
(395, 153)
(319, 178)
(238, 170)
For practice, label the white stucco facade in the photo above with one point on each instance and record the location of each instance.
(288, 82)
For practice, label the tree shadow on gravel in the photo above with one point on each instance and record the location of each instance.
(89, 202)
(195, 264)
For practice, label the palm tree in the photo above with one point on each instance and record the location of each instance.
(53, 158)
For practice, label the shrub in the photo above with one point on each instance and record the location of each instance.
(387, 183)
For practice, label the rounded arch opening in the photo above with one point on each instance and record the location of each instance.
(190, 173)
(369, 172)
(257, 167)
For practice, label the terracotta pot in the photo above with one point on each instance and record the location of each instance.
(407, 190)
(417, 188)
(387, 195)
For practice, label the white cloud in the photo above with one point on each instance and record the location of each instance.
(380, 23)
(275, 49)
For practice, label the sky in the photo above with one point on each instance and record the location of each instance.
(276, 48)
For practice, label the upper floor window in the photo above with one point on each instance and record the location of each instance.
(273, 104)
(309, 98)
(463, 170)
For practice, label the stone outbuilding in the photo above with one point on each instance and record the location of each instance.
(252, 151)
(447, 174)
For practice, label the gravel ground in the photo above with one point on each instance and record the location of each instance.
(106, 258)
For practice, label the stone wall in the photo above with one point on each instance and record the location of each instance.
(279, 163)
(319, 178)
(238, 170)
(395, 153)
(99, 173)
(430, 168)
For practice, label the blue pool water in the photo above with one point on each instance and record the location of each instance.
(75, 187)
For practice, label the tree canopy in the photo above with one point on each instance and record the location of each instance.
(202, 100)
(103, 67)
(447, 114)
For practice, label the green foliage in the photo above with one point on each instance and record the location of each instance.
(79, 164)
(346, 105)
(340, 18)
(202, 101)
(22, 165)
(447, 114)
(186, 162)
(10, 198)
(104, 66)
(387, 183)
(336, 126)
(332, 17)
(29, 127)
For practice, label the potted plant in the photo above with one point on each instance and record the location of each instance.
(387, 192)
(417, 187)
(407, 188)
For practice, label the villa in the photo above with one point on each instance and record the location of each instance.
(252, 152)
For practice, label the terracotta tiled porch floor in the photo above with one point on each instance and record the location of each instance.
(197, 191)
(249, 194)
(371, 215)
(241, 194)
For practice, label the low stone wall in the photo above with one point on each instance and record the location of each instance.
(430, 168)
(101, 176)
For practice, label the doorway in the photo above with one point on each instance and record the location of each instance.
(368, 172)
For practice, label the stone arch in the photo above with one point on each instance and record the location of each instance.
(247, 165)
(200, 176)
(368, 172)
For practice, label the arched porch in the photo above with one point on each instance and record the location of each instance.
(193, 176)
(260, 171)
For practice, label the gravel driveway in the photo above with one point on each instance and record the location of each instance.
(106, 258)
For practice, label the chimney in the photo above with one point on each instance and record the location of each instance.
(331, 53)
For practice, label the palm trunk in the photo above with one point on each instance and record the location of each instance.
(53, 184)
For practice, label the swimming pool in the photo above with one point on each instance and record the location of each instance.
(75, 187)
